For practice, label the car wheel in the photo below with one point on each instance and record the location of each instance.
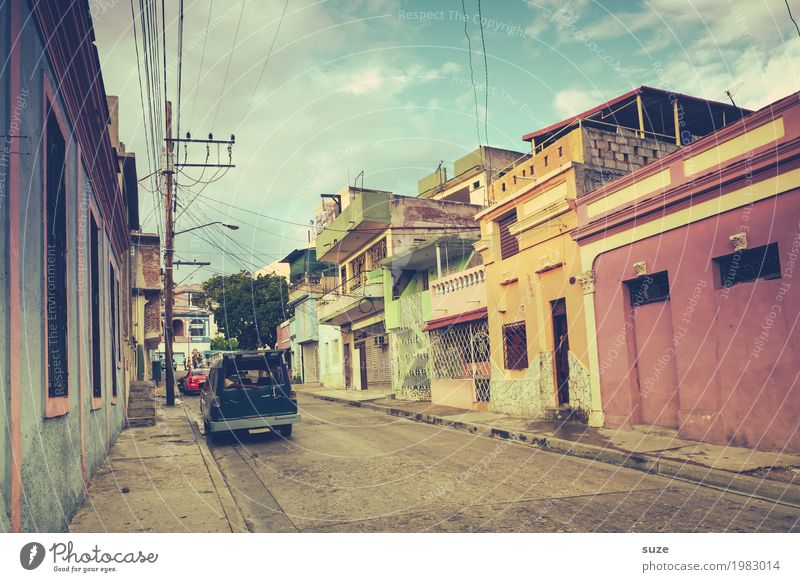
(285, 430)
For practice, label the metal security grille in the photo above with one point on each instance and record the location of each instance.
(515, 346)
(410, 352)
(462, 351)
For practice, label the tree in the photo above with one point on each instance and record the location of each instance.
(247, 308)
(224, 344)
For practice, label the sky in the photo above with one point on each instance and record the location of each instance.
(386, 87)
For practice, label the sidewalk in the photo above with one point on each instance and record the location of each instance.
(159, 479)
(770, 475)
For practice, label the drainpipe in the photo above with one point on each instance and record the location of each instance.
(438, 261)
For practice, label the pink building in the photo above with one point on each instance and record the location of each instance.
(694, 307)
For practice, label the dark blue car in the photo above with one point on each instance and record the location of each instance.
(248, 390)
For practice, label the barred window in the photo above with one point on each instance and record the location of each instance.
(649, 289)
(749, 265)
(515, 346)
(460, 350)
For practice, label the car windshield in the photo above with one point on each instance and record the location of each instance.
(254, 373)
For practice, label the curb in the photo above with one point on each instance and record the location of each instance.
(232, 512)
(768, 490)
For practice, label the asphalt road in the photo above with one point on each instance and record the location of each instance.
(355, 470)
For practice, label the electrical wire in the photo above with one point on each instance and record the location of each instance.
(792, 17)
(266, 62)
(472, 73)
(202, 60)
(228, 68)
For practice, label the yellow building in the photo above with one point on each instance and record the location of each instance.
(534, 276)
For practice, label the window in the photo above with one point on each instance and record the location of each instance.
(515, 346)
(503, 186)
(560, 152)
(376, 254)
(509, 245)
(545, 161)
(749, 265)
(55, 260)
(649, 289)
(196, 299)
(197, 328)
(424, 283)
(94, 267)
(112, 301)
(531, 169)
(177, 328)
(476, 185)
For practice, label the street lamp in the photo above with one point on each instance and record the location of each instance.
(230, 226)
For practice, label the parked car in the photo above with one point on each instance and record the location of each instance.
(248, 390)
(194, 379)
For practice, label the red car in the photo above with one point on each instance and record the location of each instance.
(194, 378)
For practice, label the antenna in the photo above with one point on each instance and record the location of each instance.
(730, 93)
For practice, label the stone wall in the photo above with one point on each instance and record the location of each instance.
(529, 395)
(580, 396)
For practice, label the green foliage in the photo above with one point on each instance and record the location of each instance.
(247, 308)
(222, 343)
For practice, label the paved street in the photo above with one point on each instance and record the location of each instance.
(356, 470)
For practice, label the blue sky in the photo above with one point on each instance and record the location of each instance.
(384, 86)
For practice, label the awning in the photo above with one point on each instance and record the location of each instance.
(465, 317)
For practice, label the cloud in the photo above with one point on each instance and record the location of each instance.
(569, 102)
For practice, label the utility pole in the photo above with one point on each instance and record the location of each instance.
(169, 236)
(169, 249)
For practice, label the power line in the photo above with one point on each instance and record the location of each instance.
(486, 77)
(792, 17)
(228, 68)
(486, 98)
(266, 62)
(202, 59)
(472, 72)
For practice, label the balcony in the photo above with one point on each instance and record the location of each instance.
(355, 299)
(358, 223)
(310, 285)
(459, 293)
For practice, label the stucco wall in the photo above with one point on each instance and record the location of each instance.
(734, 352)
(51, 448)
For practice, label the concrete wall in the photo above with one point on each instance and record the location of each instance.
(331, 371)
(59, 452)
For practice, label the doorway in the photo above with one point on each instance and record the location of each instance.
(348, 371)
(561, 351)
(362, 363)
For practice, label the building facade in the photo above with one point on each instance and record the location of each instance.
(690, 286)
(193, 326)
(307, 279)
(370, 226)
(534, 273)
(65, 246)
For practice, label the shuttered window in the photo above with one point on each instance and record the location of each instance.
(509, 246)
(55, 239)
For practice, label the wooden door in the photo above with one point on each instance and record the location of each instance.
(561, 349)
